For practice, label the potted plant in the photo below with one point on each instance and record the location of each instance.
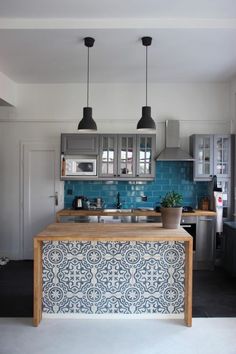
(171, 210)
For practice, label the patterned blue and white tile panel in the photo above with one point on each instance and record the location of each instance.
(89, 277)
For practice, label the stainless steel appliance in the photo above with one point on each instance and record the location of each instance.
(80, 166)
(80, 202)
(189, 223)
(172, 151)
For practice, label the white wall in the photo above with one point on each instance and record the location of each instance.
(45, 111)
(8, 90)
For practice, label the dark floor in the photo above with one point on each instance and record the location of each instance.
(214, 292)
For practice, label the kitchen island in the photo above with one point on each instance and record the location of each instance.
(112, 271)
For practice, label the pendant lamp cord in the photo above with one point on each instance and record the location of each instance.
(146, 72)
(88, 80)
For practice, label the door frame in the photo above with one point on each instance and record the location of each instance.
(41, 145)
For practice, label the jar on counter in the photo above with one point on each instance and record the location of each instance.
(205, 203)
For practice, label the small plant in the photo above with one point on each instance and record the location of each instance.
(171, 200)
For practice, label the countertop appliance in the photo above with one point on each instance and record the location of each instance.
(80, 202)
(80, 166)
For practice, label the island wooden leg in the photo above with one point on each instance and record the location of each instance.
(188, 282)
(37, 282)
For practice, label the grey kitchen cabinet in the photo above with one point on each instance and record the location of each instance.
(146, 149)
(108, 156)
(212, 154)
(117, 156)
(222, 156)
(205, 243)
(127, 156)
(79, 144)
(202, 148)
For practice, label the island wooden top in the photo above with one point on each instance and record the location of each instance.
(135, 212)
(111, 232)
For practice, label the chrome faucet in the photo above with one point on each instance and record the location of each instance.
(118, 203)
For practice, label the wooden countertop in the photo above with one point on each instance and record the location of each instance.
(135, 212)
(111, 232)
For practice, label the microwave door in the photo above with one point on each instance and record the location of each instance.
(78, 167)
(85, 167)
(71, 167)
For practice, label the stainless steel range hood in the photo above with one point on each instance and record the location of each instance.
(172, 151)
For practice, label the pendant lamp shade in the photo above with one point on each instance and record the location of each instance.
(146, 122)
(87, 123)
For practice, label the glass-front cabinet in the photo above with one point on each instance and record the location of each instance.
(212, 155)
(222, 155)
(202, 151)
(108, 156)
(146, 147)
(117, 156)
(127, 156)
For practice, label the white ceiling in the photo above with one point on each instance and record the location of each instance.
(42, 41)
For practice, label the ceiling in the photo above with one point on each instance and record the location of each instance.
(42, 41)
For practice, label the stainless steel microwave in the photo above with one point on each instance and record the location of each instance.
(80, 166)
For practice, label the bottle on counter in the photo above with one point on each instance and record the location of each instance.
(63, 166)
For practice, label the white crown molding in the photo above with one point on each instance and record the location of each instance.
(117, 23)
(109, 121)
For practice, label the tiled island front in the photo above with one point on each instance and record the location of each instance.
(112, 271)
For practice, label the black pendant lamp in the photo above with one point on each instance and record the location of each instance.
(146, 122)
(87, 123)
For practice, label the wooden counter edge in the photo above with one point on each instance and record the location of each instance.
(188, 282)
(71, 212)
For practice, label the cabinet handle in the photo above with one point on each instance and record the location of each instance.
(114, 175)
(118, 175)
(137, 175)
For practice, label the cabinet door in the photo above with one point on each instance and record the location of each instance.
(108, 156)
(222, 155)
(205, 242)
(79, 144)
(126, 156)
(203, 154)
(146, 147)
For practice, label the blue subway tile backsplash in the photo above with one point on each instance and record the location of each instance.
(174, 175)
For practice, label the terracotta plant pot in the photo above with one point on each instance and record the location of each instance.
(171, 217)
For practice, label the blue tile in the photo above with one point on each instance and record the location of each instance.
(170, 176)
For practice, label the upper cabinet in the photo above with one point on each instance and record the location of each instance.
(201, 148)
(146, 148)
(211, 154)
(79, 144)
(108, 156)
(222, 155)
(125, 156)
(117, 156)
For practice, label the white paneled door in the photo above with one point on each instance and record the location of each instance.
(41, 194)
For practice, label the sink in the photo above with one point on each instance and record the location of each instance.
(117, 210)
